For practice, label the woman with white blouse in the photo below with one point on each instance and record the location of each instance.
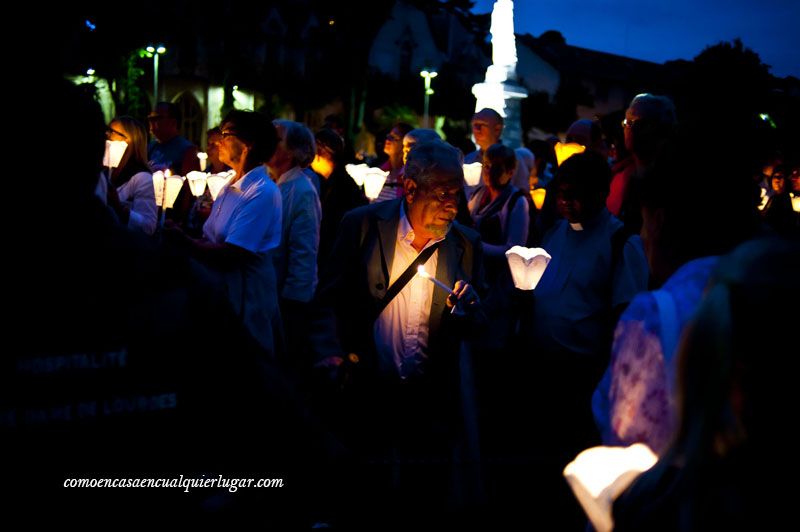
(131, 195)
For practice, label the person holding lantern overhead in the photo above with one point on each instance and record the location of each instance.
(245, 225)
(131, 195)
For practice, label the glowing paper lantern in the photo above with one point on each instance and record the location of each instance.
(197, 182)
(115, 149)
(472, 173)
(158, 187)
(538, 195)
(374, 178)
(566, 150)
(598, 475)
(217, 181)
(795, 202)
(203, 157)
(173, 184)
(357, 172)
(527, 266)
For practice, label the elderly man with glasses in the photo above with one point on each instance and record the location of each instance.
(649, 121)
(392, 335)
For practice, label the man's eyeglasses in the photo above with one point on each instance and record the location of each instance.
(444, 196)
(627, 124)
(393, 138)
(226, 134)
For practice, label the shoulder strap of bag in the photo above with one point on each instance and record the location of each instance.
(403, 280)
(670, 333)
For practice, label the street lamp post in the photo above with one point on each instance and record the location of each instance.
(428, 74)
(154, 52)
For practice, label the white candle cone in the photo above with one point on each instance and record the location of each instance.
(599, 475)
(217, 181)
(527, 266)
(174, 184)
(472, 173)
(115, 149)
(197, 182)
(203, 157)
(158, 187)
(374, 178)
(357, 172)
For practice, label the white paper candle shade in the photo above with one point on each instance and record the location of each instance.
(217, 181)
(374, 178)
(115, 149)
(203, 157)
(527, 266)
(197, 182)
(158, 187)
(599, 475)
(174, 184)
(357, 172)
(472, 173)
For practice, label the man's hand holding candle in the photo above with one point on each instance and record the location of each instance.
(463, 299)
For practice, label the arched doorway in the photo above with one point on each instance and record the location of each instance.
(191, 125)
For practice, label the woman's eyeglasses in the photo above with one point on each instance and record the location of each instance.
(110, 132)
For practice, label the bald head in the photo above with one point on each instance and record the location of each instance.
(487, 126)
(649, 120)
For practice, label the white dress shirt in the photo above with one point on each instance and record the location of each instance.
(401, 330)
(138, 193)
(247, 213)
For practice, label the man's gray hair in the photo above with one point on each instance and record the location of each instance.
(423, 135)
(427, 159)
(657, 108)
(299, 141)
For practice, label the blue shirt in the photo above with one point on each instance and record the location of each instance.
(169, 154)
(580, 285)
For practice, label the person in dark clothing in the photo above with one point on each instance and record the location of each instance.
(338, 192)
(123, 377)
(737, 389)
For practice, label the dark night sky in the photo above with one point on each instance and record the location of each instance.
(660, 30)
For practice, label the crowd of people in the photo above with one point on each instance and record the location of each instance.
(284, 326)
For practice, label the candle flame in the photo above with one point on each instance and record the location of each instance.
(167, 173)
(421, 271)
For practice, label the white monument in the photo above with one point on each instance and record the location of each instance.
(500, 90)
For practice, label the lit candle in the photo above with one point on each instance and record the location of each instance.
(422, 273)
(203, 159)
